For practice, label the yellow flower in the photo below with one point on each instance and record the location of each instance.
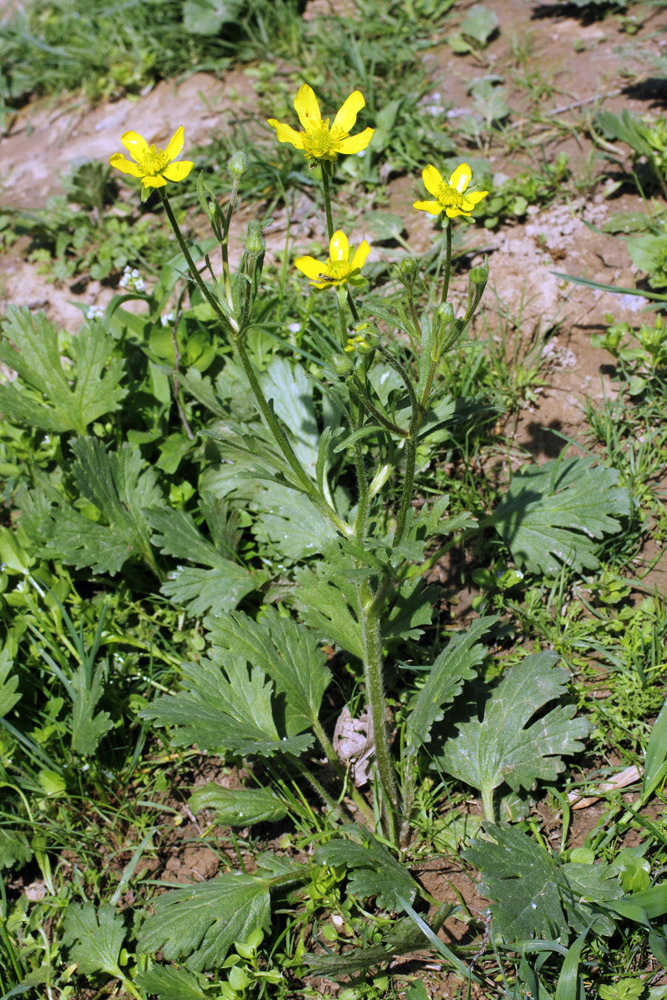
(451, 198)
(153, 165)
(338, 269)
(319, 141)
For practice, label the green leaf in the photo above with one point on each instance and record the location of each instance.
(94, 937)
(8, 684)
(373, 870)
(534, 896)
(228, 709)
(553, 513)
(453, 666)
(206, 17)
(48, 394)
(203, 921)
(120, 487)
(170, 983)
(656, 753)
(503, 746)
(625, 128)
(220, 586)
(649, 253)
(323, 597)
(14, 848)
(238, 806)
(88, 727)
(287, 652)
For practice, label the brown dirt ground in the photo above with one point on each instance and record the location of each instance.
(581, 64)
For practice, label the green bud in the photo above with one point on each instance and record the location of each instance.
(409, 266)
(478, 276)
(444, 314)
(238, 165)
(254, 243)
(341, 364)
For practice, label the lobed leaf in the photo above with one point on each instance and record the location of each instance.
(203, 921)
(94, 937)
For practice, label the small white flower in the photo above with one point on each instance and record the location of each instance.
(166, 319)
(139, 285)
(294, 327)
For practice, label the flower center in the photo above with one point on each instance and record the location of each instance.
(321, 142)
(337, 270)
(154, 162)
(449, 197)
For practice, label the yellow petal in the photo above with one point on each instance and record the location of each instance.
(178, 171)
(122, 163)
(137, 146)
(339, 248)
(432, 180)
(310, 267)
(355, 143)
(451, 213)
(285, 133)
(154, 182)
(175, 143)
(307, 108)
(360, 255)
(461, 177)
(347, 115)
(432, 207)
(475, 196)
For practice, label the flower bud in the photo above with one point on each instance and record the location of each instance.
(238, 165)
(254, 243)
(444, 314)
(341, 364)
(409, 266)
(478, 275)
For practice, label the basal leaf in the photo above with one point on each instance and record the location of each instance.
(504, 746)
(120, 486)
(454, 665)
(8, 684)
(201, 922)
(14, 848)
(553, 513)
(53, 393)
(88, 727)
(324, 600)
(285, 651)
(226, 708)
(238, 806)
(170, 983)
(373, 870)
(94, 937)
(534, 895)
(220, 584)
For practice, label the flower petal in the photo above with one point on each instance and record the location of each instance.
(178, 171)
(451, 213)
(175, 143)
(122, 163)
(355, 143)
(285, 133)
(475, 196)
(347, 115)
(339, 248)
(432, 207)
(432, 180)
(154, 182)
(310, 267)
(307, 108)
(461, 177)
(360, 255)
(135, 144)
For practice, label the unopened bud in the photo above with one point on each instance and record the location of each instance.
(254, 243)
(478, 275)
(238, 165)
(408, 266)
(444, 314)
(341, 364)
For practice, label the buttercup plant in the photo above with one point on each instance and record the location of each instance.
(382, 397)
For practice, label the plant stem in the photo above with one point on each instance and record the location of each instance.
(448, 261)
(266, 411)
(371, 638)
(326, 169)
(487, 805)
